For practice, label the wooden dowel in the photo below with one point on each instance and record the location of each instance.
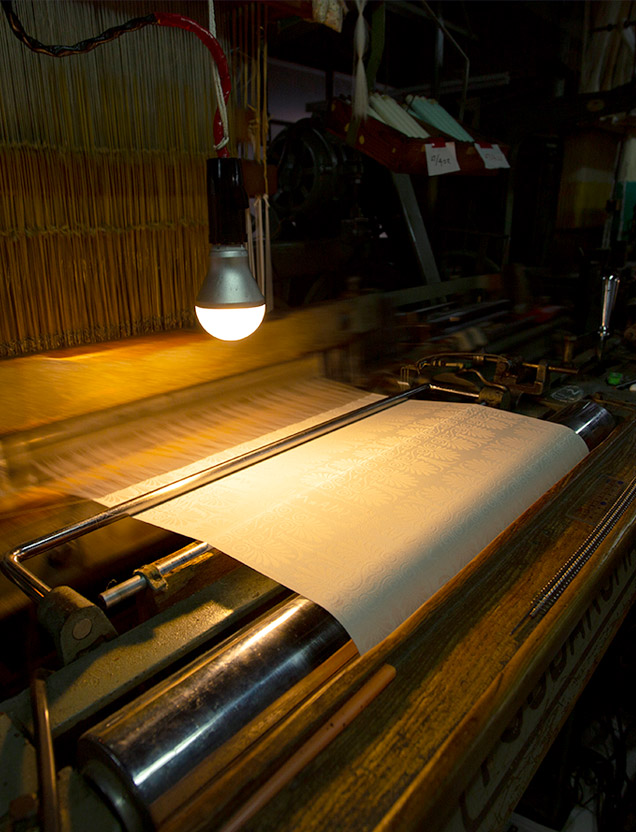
(314, 745)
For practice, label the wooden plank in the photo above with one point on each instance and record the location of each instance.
(492, 794)
(66, 383)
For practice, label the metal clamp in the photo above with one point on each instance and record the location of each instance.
(153, 577)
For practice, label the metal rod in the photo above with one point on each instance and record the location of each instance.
(589, 420)
(12, 563)
(49, 807)
(570, 569)
(458, 391)
(559, 582)
(130, 587)
(611, 283)
(418, 235)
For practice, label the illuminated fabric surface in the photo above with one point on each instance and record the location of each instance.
(370, 520)
(237, 413)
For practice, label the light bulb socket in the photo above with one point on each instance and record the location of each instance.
(227, 201)
(229, 282)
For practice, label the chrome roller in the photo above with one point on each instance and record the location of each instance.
(152, 756)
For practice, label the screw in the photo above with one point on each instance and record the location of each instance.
(82, 628)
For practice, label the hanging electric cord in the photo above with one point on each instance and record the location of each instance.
(221, 137)
(83, 46)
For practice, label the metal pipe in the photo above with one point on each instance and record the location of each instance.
(37, 589)
(129, 588)
(49, 812)
(152, 756)
(457, 391)
(611, 283)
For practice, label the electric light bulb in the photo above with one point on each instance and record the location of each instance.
(231, 324)
(230, 304)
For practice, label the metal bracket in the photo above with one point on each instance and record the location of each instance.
(153, 577)
(73, 622)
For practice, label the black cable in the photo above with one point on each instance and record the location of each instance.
(83, 46)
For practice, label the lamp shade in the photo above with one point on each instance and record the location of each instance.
(229, 305)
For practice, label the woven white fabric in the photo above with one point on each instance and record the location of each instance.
(372, 519)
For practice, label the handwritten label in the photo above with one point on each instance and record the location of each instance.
(492, 155)
(441, 158)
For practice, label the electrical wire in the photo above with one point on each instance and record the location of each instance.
(83, 46)
(221, 137)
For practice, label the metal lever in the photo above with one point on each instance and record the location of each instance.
(49, 808)
(610, 289)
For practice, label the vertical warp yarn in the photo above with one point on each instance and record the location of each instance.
(103, 213)
(216, 77)
(249, 99)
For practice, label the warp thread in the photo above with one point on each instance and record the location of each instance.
(216, 77)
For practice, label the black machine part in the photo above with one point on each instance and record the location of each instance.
(589, 420)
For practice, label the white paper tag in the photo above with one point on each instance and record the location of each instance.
(492, 155)
(441, 157)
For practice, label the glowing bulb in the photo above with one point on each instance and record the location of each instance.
(231, 324)
(230, 304)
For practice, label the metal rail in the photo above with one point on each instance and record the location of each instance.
(36, 589)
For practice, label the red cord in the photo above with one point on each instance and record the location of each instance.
(180, 22)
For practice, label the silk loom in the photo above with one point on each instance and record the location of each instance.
(332, 576)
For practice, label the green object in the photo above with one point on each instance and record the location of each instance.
(614, 378)
(628, 210)
(431, 112)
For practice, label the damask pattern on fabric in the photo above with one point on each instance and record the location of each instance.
(372, 519)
